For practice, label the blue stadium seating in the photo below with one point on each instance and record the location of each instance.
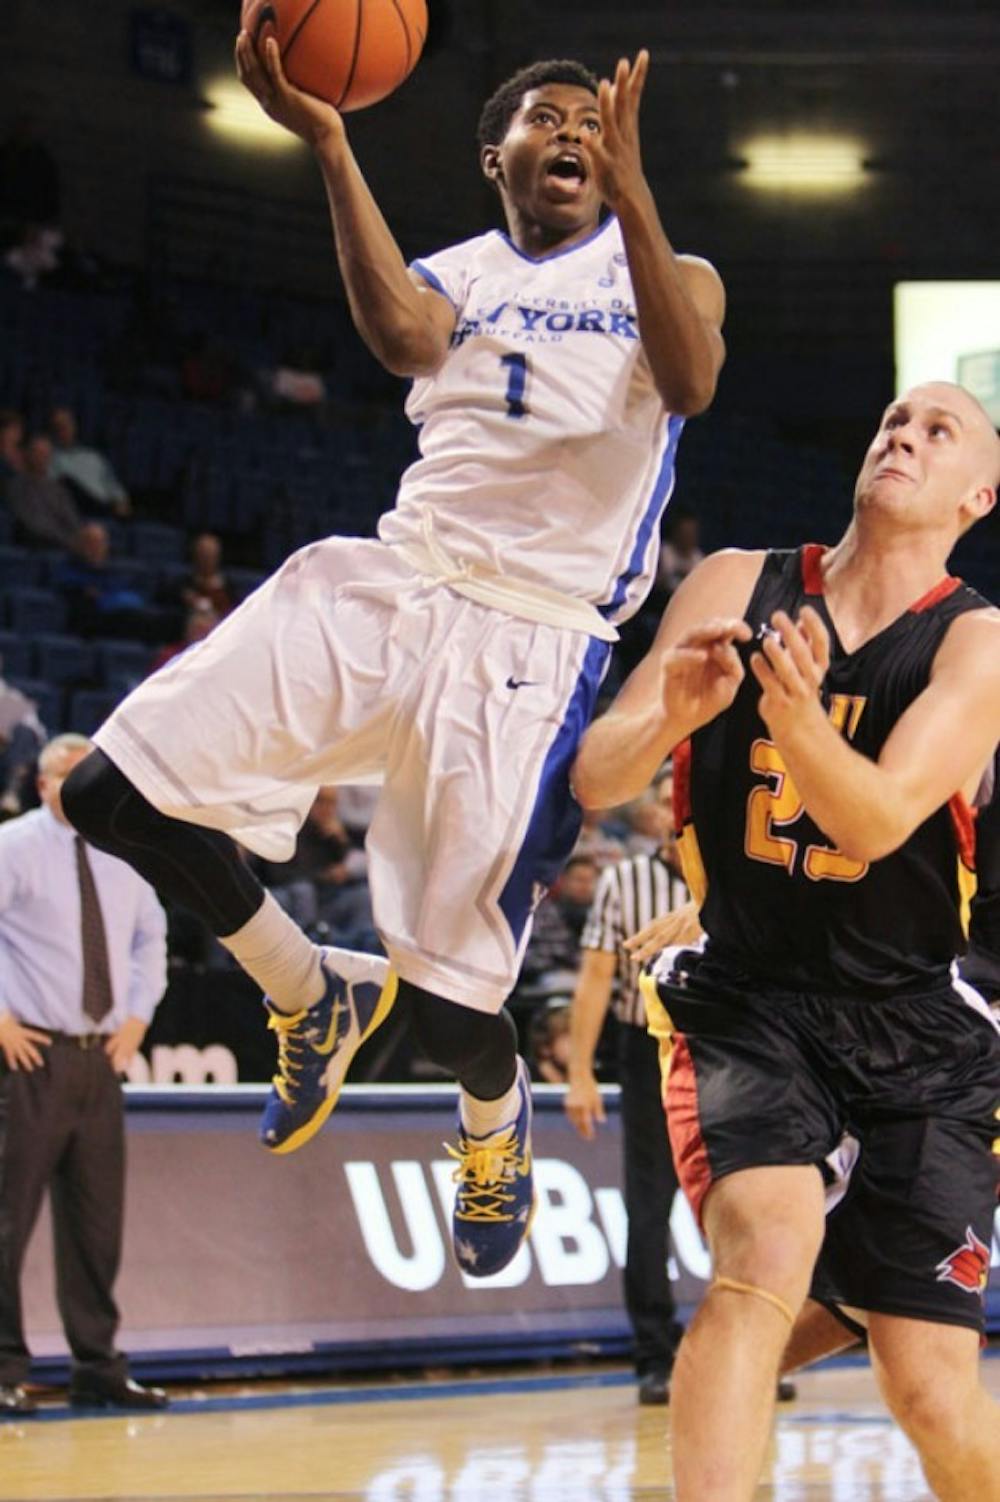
(16, 656)
(20, 567)
(156, 542)
(33, 611)
(89, 708)
(123, 664)
(243, 581)
(63, 659)
(48, 698)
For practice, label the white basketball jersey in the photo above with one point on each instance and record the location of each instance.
(546, 453)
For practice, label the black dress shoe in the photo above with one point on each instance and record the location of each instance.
(654, 1389)
(117, 1392)
(787, 1391)
(16, 1402)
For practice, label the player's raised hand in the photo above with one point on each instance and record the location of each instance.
(790, 668)
(702, 672)
(303, 114)
(616, 156)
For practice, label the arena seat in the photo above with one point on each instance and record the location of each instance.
(33, 611)
(62, 659)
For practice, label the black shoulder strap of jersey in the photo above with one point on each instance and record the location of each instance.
(780, 573)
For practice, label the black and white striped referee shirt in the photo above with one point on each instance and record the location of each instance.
(629, 895)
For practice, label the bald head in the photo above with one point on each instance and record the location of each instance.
(981, 436)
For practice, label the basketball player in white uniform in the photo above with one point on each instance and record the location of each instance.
(455, 660)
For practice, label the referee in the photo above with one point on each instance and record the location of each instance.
(630, 895)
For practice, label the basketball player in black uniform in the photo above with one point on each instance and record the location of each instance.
(839, 707)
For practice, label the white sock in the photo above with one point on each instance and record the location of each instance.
(276, 953)
(481, 1118)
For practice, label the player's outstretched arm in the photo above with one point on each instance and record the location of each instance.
(680, 300)
(690, 674)
(939, 747)
(406, 325)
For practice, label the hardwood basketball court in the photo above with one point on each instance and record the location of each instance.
(564, 1435)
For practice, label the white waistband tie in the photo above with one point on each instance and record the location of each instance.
(529, 602)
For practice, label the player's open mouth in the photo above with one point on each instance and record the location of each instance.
(568, 167)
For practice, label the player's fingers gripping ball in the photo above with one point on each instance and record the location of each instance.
(351, 53)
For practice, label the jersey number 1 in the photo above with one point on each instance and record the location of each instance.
(517, 380)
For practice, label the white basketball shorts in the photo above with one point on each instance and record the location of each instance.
(348, 666)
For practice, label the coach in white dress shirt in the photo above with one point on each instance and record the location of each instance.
(82, 967)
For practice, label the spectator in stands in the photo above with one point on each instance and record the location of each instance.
(295, 383)
(34, 257)
(22, 735)
(334, 873)
(548, 1039)
(11, 445)
(679, 553)
(554, 947)
(601, 836)
(198, 622)
(41, 505)
(648, 818)
(356, 805)
(206, 582)
(86, 471)
(101, 601)
(82, 940)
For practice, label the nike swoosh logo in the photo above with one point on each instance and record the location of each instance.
(522, 683)
(330, 1041)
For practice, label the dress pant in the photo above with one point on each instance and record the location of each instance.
(650, 1185)
(62, 1126)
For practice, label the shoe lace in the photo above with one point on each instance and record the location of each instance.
(290, 1043)
(483, 1171)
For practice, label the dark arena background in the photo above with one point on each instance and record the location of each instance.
(167, 276)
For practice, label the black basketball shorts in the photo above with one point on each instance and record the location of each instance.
(761, 1076)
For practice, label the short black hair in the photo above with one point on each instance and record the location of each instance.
(501, 107)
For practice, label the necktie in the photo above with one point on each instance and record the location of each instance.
(97, 996)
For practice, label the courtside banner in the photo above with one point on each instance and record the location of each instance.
(340, 1252)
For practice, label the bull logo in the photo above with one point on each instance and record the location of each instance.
(968, 1266)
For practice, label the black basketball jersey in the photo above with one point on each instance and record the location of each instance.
(781, 904)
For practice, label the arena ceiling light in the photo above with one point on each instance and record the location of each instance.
(234, 113)
(803, 163)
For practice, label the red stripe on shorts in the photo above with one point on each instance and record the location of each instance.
(684, 1124)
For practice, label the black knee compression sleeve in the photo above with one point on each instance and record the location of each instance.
(199, 868)
(478, 1048)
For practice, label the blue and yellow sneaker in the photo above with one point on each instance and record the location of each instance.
(316, 1045)
(495, 1199)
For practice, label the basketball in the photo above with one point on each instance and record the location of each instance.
(350, 52)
